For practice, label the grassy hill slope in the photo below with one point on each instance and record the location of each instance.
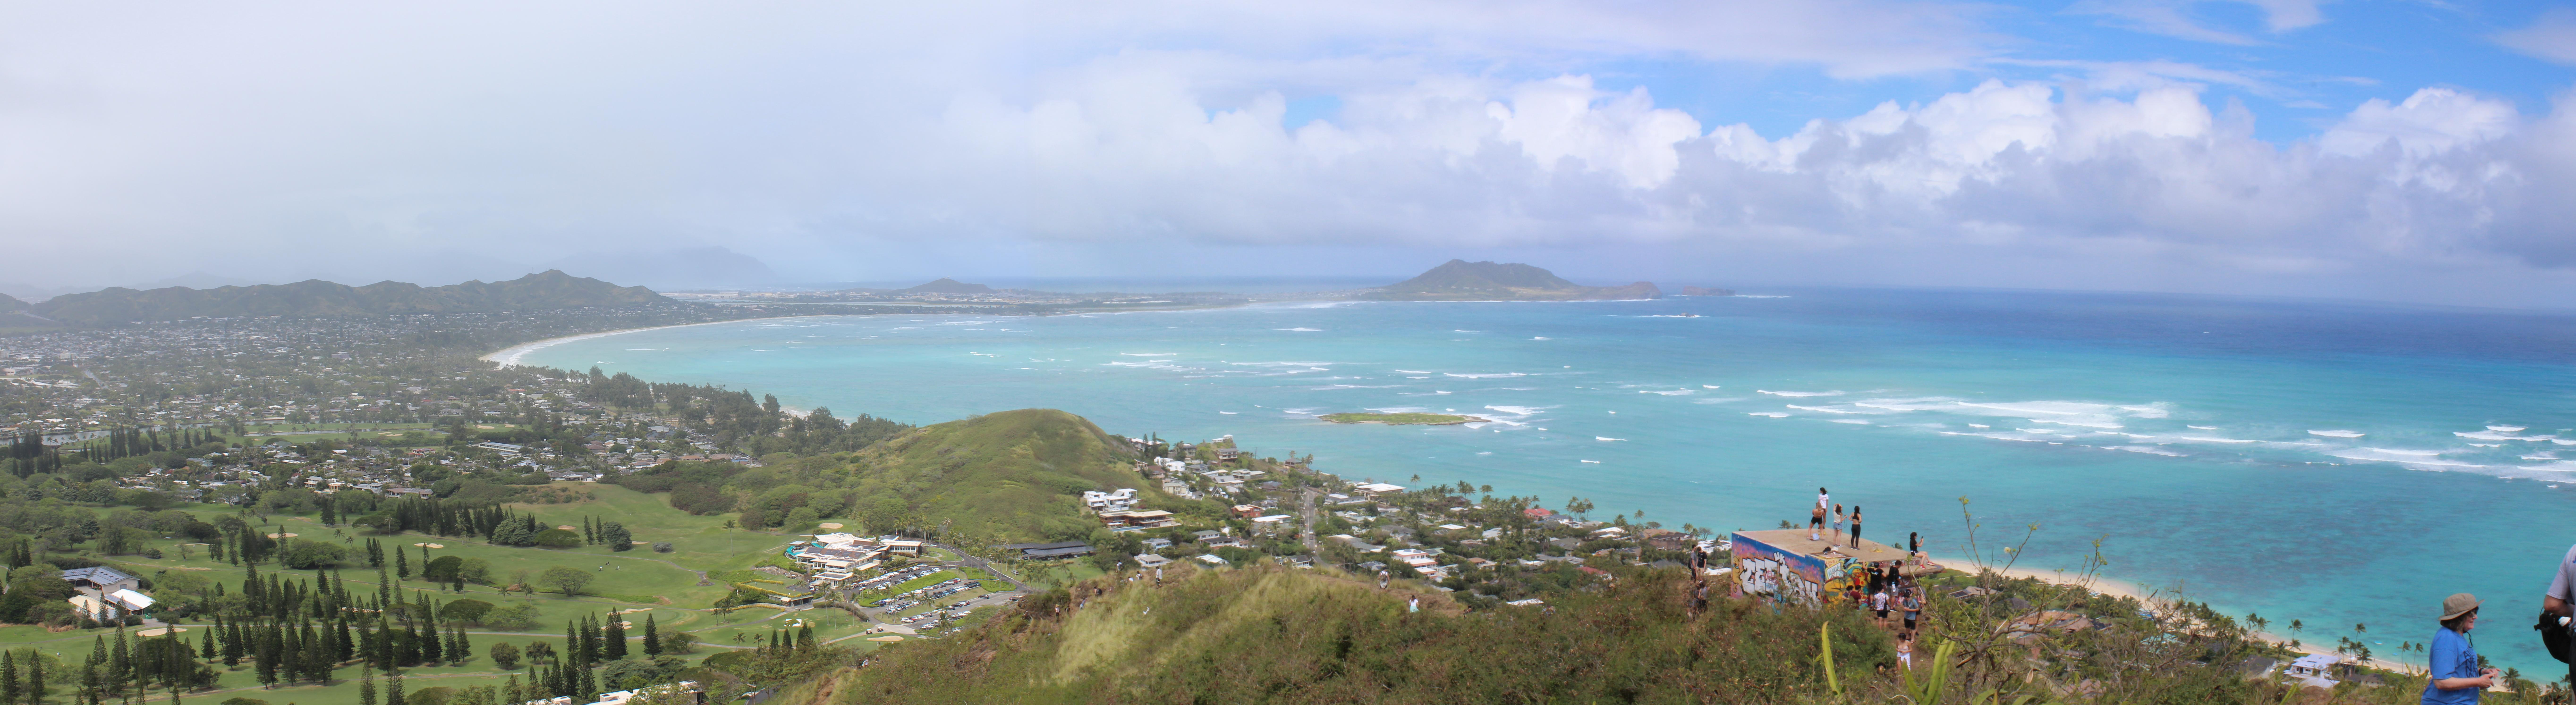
(1004, 476)
(1461, 280)
(1281, 635)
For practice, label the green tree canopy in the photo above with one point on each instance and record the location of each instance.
(569, 581)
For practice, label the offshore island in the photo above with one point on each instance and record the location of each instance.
(1403, 419)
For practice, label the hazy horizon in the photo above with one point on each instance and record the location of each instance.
(2389, 152)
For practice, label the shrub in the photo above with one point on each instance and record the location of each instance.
(244, 701)
(513, 618)
(558, 538)
(679, 643)
(302, 554)
(475, 570)
(629, 674)
(569, 581)
(441, 569)
(616, 536)
(662, 547)
(505, 655)
(433, 695)
(465, 610)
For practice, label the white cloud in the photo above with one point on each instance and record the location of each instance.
(2552, 36)
(2175, 18)
(2432, 121)
(1565, 118)
(834, 137)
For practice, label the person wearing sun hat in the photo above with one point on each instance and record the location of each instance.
(2457, 680)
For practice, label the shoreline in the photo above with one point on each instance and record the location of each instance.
(509, 356)
(2110, 586)
(2123, 588)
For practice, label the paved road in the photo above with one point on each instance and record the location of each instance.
(1307, 501)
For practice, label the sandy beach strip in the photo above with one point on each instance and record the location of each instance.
(2142, 594)
(510, 355)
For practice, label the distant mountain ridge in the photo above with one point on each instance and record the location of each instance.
(944, 285)
(1461, 280)
(551, 289)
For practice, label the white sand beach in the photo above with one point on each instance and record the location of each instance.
(510, 355)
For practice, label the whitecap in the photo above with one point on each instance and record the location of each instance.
(2505, 429)
(1857, 421)
(1299, 330)
(1826, 409)
(2496, 436)
(1979, 425)
(1708, 386)
(2204, 428)
(1148, 354)
(1595, 462)
(1800, 394)
(2204, 439)
(1539, 338)
(1517, 410)
(1670, 393)
(1228, 413)
(2400, 457)
(1607, 438)
(1996, 436)
(2415, 453)
(2150, 450)
(2338, 433)
(1415, 372)
(1486, 376)
(1772, 414)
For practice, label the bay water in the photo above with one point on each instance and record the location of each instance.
(2334, 463)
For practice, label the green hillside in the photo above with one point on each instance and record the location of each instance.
(552, 289)
(1461, 280)
(1008, 475)
(1283, 635)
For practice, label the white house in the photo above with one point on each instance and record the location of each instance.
(2312, 669)
(1118, 500)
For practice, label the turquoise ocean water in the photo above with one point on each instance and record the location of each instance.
(2332, 463)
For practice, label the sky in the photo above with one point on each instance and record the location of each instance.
(2400, 151)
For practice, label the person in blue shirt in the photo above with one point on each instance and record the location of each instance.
(2457, 680)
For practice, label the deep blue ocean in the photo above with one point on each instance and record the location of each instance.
(2334, 463)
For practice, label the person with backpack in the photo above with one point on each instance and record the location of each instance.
(2557, 606)
(1913, 609)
